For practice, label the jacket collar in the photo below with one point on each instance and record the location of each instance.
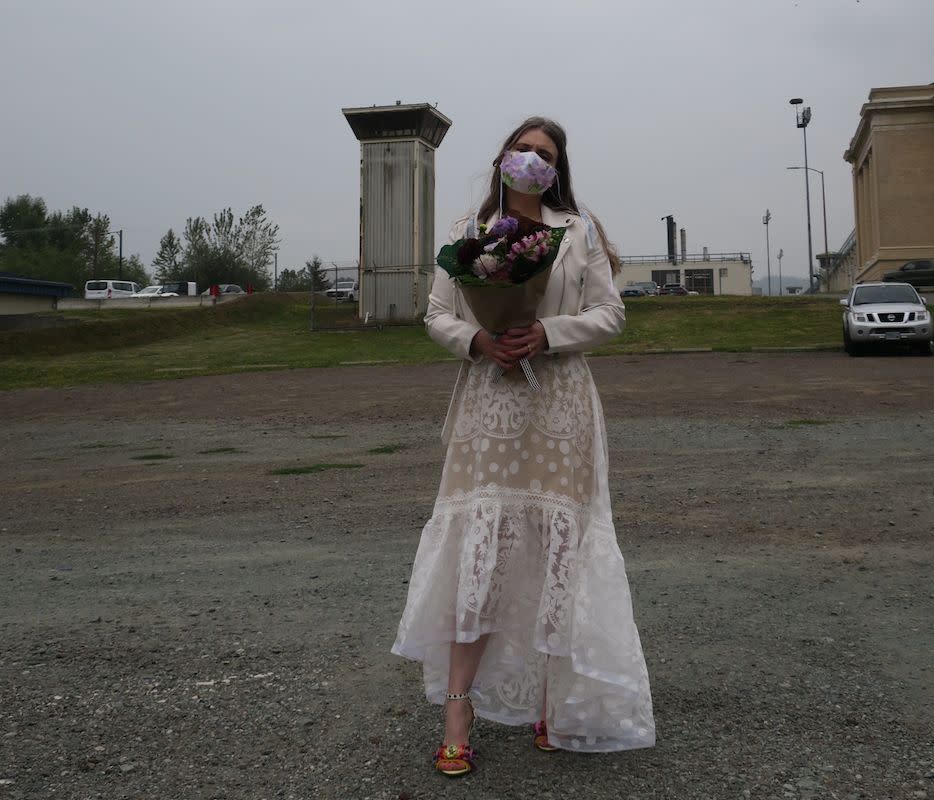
(558, 219)
(552, 218)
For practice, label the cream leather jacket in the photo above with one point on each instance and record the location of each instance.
(580, 310)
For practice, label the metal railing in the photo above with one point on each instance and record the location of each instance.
(690, 258)
(370, 298)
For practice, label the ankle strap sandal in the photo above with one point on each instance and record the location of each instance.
(455, 760)
(540, 740)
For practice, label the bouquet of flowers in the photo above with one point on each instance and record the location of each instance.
(502, 273)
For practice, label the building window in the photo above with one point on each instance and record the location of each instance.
(699, 280)
(663, 276)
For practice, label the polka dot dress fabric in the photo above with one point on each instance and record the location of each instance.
(521, 546)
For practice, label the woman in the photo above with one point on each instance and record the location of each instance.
(518, 605)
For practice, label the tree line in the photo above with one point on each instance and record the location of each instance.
(71, 246)
(76, 246)
(226, 249)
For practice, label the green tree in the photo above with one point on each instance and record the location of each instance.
(23, 221)
(99, 245)
(316, 270)
(228, 250)
(258, 240)
(294, 280)
(169, 260)
(135, 270)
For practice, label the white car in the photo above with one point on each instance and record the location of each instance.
(153, 291)
(886, 313)
(344, 289)
(109, 289)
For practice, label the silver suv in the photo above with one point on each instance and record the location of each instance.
(886, 313)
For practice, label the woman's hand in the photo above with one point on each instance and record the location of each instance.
(484, 344)
(525, 342)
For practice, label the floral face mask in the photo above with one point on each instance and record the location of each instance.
(527, 172)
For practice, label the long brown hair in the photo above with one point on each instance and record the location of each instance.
(560, 196)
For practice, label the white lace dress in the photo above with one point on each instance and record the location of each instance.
(521, 546)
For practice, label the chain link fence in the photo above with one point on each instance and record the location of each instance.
(348, 298)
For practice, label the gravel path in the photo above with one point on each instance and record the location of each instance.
(193, 626)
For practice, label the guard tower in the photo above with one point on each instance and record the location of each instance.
(397, 206)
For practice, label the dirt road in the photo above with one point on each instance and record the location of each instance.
(178, 622)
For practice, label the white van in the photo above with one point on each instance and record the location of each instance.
(105, 290)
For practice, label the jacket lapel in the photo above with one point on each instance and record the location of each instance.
(561, 219)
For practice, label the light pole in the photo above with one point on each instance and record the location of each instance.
(802, 119)
(768, 262)
(823, 198)
(120, 262)
(781, 253)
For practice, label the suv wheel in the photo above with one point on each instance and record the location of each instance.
(923, 348)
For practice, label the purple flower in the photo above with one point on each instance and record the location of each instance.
(505, 227)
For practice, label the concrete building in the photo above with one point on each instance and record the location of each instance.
(892, 155)
(705, 273)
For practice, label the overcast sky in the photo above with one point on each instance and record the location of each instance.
(153, 112)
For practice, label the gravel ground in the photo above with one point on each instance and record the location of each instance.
(193, 626)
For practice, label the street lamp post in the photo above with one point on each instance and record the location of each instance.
(823, 197)
(768, 262)
(802, 119)
(120, 262)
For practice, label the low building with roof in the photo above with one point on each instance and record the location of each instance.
(22, 295)
(704, 273)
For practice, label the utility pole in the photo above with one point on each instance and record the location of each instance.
(781, 253)
(275, 274)
(768, 263)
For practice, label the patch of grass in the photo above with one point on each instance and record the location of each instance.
(387, 448)
(152, 457)
(272, 329)
(310, 468)
(800, 423)
(220, 450)
(731, 324)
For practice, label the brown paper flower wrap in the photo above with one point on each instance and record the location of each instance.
(498, 308)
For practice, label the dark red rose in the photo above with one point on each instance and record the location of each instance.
(468, 252)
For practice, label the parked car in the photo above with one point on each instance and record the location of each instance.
(180, 288)
(108, 289)
(886, 313)
(673, 288)
(344, 289)
(151, 292)
(650, 287)
(917, 273)
(633, 291)
(225, 288)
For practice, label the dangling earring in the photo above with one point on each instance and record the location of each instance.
(500, 194)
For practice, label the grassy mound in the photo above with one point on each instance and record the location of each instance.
(272, 331)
